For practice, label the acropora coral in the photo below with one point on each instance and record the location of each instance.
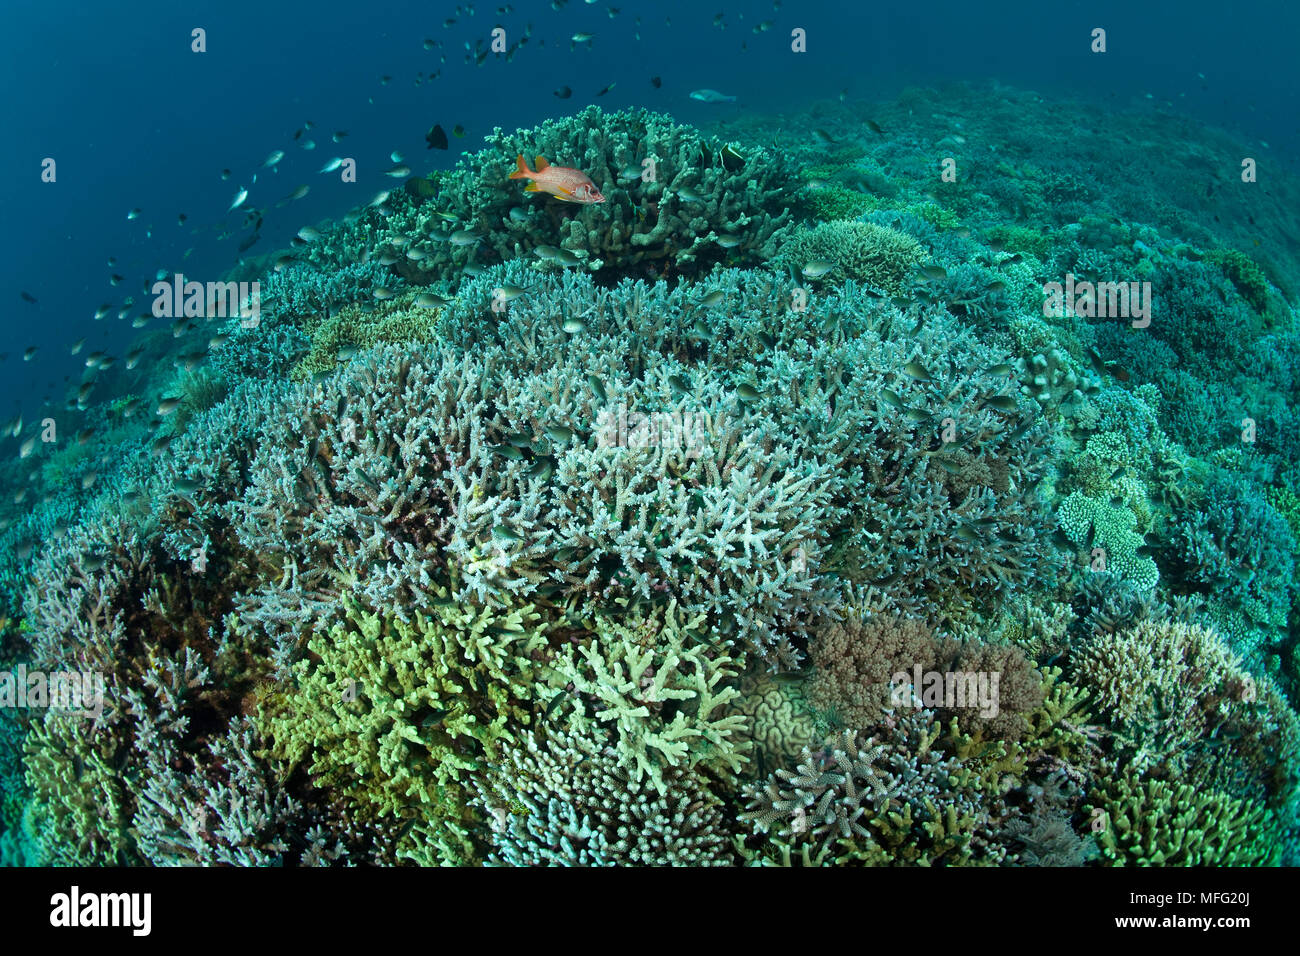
(519, 532)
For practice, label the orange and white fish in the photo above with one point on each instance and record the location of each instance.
(562, 182)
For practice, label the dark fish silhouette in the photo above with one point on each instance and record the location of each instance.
(563, 92)
(436, 138)
(28, 297)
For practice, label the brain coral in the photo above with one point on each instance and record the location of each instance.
(779, 723)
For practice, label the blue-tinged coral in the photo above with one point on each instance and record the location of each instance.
(1234, 546)
(1108, 532)
(565, 799)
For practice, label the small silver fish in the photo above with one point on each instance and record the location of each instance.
(711, 96)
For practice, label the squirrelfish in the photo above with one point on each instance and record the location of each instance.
(562, 182)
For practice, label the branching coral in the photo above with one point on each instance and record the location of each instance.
(663, 693)
(566, 799)
(1181, 703)
(396, 714)
(874, 800)
(1166, 823)
(878, 256)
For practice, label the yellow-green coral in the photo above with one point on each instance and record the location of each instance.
(1166, 823)
(398, 320)
(663, 692)
(396, 714)
(80, 809)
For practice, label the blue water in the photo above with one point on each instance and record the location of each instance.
(133, 118)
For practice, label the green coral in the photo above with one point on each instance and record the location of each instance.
(398, 714)
(1245, 274)
(831, 201)
(876, 255)
(663, 692)
(1155, 822)
(355, 328)
(80, 804)
(1287, 503)
(1093, 523)
(779, 721)
(1035, 242)
(936, 215)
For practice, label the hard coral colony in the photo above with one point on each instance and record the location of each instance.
(749, 512)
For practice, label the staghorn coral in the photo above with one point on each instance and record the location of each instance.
(1179, 702)
(663, 694)
(887, 798)
(661, 219)
(1235, 547)
(397, 715)
(330, 506)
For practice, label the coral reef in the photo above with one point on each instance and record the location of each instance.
(566, 800)
(877, 256)
(523, 532)
(1164, 823)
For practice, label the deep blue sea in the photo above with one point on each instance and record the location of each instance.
(134, 119)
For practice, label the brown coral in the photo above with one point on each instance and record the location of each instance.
(857, 658)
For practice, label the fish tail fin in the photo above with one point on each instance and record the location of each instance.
(540, 163)
(521, 169)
